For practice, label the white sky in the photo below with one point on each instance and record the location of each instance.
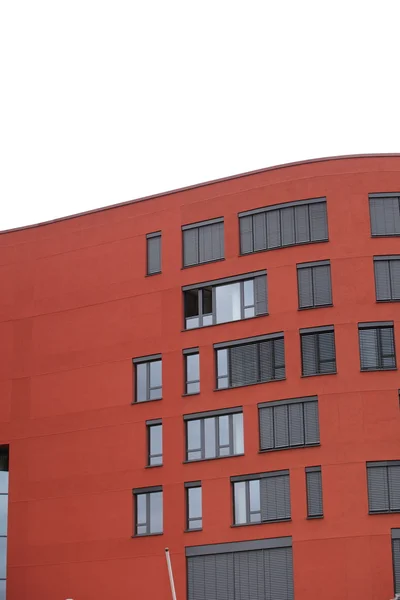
(102, 102)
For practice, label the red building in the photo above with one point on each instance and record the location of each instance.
(213, 370)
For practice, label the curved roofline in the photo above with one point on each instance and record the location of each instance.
(203, 184)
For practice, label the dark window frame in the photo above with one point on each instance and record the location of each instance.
(147, 360)
(316, 332)
(187, 382)
(378, 326)
(382, 465)
(149, 237)
(202, 417)
(190, 485)
(150, 455)
(147, 524)
(383, 259)
(311, 471)
(312, 266)
(198, 226)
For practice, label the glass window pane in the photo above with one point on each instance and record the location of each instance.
(192, 323)
(156, 374)
(3, 482)
(193, 434)
(249, 312)
(141, 383)
(156, 439)
(248, 287)
(2, 589)
(209, 434)
(223, 424)
(141, 508)
(194, 499)
(207, 320)
(222, 362)
(222, 383)
(141, 529)
(195, 524)
(227, 298)
(240, 502)
(238, 437)
(194, 455)
(156, 460)
(207, 300)
(254, 489)
(192, 367)
(193, 388)
(3, 513)
(156, 394)
(191, 303)
(3, 557)
(156, 514)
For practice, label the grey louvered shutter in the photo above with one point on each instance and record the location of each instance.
(296, 424)
(210, 576)
(244, 364)
(386, 340)
(260, 232)
(314, 492)
(260, 294)
(394, 487)
(382, 279)
(378, 492)
(396, 565)
(302, 229)
(308, 354)
(249, 575)
(327, 355)
(217, 241)
(311, 422)
(287, 226)
(196, 579)
(395, 278)
(211, 242)
(275, 498)
(376, 206)
(190, 247)
(322, 285)
(266, 360)
(279, 578)
(273, 229)
(279, 358)
(318, 222)
(266, 416)
(224, 565)
(246, 234)
(368, 348)
(281, 426)
(154, 255)
(385, 216)
(305, 283)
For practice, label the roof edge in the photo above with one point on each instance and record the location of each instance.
(202, 184)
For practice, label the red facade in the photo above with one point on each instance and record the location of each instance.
(76, 307)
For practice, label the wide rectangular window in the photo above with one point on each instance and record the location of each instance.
(203, 242)
(396, 559)
(318, 355)
(154, 442)
(385, 214)
(148, 378)
(153, 253)
(377, 351)
(261, 498)
(252, 360)
(194, 507)
(225, 300)
(192, 370)
(387, 278)
(214, 434)
(290, 423)
(148, 510)
(314, 492)
(283, 225)
(384, 486)
(314, 283)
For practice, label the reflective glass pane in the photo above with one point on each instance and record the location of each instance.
(193, 434)
(238, 437)
(194, 498)
(3, 513)
(249, 312)
(240, 502)
(156, 439)
(192, 323)
(193, 388)
(195, 524)
(156, 460)
(141, 382)
(3, 557)
(248, 288)
(227, 299)
(209, 434)
(141, 529)
(192, 367)
(156, 373)
(141, 508)
(194, 455)
(156, 394)
(222, 383)
(156, 512)
(207, 320)
(222, 362)
(3, 482)
(2, 589)
(223, 423)
(254, 489)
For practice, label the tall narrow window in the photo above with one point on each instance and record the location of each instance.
(318, 355)
(261, 498)
(3, 519)
(387, 278)
(314, 281)
(148, 510)
(385, 214)
(203, 242)
(154, 442)
(192, 370)
(314, 492)
(194, 508)
(148, 371)
(377, 351)
(153, 253)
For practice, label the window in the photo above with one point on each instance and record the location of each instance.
(318, 355)
(289, 423)
(261, 498)
(384, 486)
(385, 214)
(314, 282)
(194, 510)
(154, 442)
(148, 510)
(148, 378)
(283, 225)
(3, 518)
(153, 253)
(225, 300)
(203, 242)
(249, 361)
(377, 350)
(214, 434)
(314, 492)
(396, 559)
(192, 370)
(387, 278)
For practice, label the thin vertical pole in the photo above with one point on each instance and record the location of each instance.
(171, 576)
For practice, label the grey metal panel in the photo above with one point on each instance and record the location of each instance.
(258, 338)
(385, 195)
(317, 329)
(382, 280)
(378, 492)
(282, 205)
(395, 534)
(246, 234)
(275, 498)
(244, 364)
(318, 263)
(154, 422)
(153, 235)
(318, 222)
(280, 575)
(385, 215)
(214, 282)
(260, 295)
(311, 422)
(327, 353)
(373, 324)
(188, 351)
(149, 358)
(202, 223)
(288, 401)
(312, 469)
(387, 257)
(211, 242)
(196, 579)
(146, 490)
(192, 484)
(314, 492)
(395, 278)
(190, 247)
(296, 424)
(383, 463)
(213, 413)
(253, 476)
(281, 542)
(396, 564)
(154, 255)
